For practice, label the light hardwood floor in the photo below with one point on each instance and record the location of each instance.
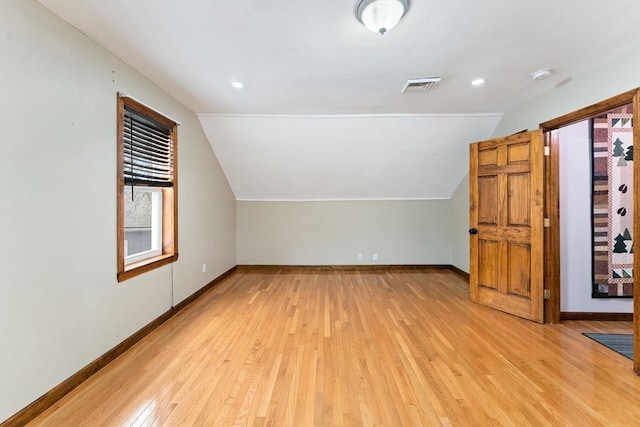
(396, 347)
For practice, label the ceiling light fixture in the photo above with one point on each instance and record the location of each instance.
(237, 84)
(477, 82)
(381, 15)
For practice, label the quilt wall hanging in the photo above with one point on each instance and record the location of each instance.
(612, 205)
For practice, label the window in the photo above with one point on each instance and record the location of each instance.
(147, 189)
(142, 223)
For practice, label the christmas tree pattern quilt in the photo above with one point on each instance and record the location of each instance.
(613, 206)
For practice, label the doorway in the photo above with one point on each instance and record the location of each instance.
(552, 204)
(586, 165)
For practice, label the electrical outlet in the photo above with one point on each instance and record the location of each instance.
(374, 257)
(359, 257)
(204, 268)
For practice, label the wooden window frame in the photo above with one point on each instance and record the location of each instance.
(169, 198)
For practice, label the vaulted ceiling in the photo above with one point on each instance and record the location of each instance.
(321, 114)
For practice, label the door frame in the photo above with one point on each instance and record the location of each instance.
(552, 204)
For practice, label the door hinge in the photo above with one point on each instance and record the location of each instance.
(547, 151)
(546, 222)
(547, 294)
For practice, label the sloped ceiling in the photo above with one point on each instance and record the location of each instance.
(362, 157)
(313, 57)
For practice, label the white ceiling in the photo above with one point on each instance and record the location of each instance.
(313, 57)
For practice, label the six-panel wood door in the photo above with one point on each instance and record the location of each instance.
(506, 224)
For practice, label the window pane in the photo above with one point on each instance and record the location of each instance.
(138, 221)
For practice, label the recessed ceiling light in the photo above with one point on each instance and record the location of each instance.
(477, 82)
(541, 74)
(237, 84)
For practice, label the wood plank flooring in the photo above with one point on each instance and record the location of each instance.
(394, 347)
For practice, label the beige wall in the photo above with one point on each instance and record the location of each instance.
(60, 304)
(335, 232)
(460, 226)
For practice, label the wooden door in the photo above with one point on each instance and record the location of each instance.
(506, 219)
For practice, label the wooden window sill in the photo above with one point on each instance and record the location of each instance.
(143, 266)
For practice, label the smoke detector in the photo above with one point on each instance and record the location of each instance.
(541, 74)
(422, 84)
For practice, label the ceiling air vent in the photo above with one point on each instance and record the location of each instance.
(422, 85)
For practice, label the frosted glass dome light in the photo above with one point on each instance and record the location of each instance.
(381, 15)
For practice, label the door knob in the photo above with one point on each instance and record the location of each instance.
(473, 231)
